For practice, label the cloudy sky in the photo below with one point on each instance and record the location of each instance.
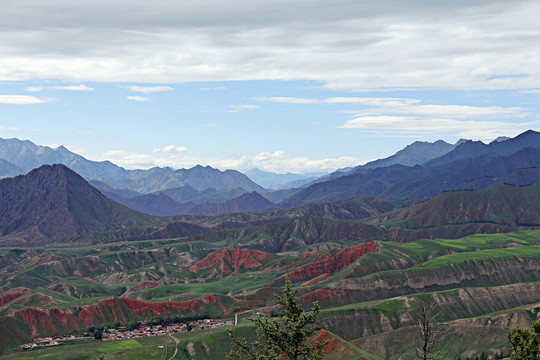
(296, 85)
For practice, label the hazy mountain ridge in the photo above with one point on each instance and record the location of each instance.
(8, 169)
(248, 202)
(270, 180)
(28, 156)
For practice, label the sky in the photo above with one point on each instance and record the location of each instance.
(284, 86)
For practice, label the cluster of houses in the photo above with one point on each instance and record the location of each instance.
(155, 330)
(144, 330)
(51, 341)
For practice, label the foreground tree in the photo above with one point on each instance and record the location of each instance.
(525, 343)
(432, 336)
(285, 336)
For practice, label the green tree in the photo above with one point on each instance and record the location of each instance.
(286, 334)
(98, 334)
(524, 342)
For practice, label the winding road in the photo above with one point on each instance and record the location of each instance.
(176, 349)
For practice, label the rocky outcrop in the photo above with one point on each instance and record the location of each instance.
(169, 308)
(12, 295)
(467, 304)
(487, 272)
(229, 261)
(329, 264)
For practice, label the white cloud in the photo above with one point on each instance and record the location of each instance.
(453, 111)
(238, 108)
(290, 100)
(403, 125)
(23, 99)
(81, 150)
(209, 125)
(277, 161)
(150, 89)
(80, 87)
(343, 100)
(353, 45)
(12, 128)
(409, 117)
(85, 132)
(215, 88)
(130, 160)
(138, 98)
(172, 149)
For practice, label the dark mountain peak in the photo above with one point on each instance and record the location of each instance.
(417, 153)
(473, 149)
(53, 202)
(56, 171)
(253, 196)
(528, 133)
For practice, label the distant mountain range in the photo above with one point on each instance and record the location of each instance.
(52, 205)
(27, 156)
(248, 202)
(417, 172)
(275, 181)
(470, 165)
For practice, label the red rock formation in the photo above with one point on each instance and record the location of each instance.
(333, 347)
(169, 308)
(317, 279)
(12, 295)
(54, 321)
(60, 288)
(228, 261)
(336, 347)
(328, 264)
(145, 285)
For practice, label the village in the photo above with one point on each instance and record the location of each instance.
(145, 329)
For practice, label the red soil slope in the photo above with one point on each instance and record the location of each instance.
(170, 308)
(12, 295)
(106, 311)
(228, 261)
(329, 264)
(145, 285)
(336, 348)
(51, 321)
